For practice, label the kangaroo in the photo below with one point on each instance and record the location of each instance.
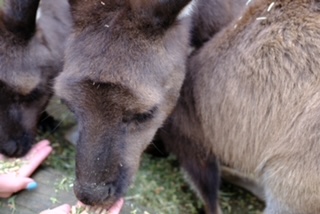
(124, 67)
(31, 55)
(251, 101)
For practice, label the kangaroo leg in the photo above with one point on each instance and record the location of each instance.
(204, 175)
(233, 176)
(201, 168)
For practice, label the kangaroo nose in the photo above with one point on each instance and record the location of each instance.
(93, 194)
(10, 148)
(17, 147)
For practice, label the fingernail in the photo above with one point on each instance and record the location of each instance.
(32, 186)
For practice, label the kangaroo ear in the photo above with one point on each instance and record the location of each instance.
(20, 17)
(159, 13)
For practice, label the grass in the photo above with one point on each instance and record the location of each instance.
(159, 183)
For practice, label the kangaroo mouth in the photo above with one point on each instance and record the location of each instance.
(82, 208)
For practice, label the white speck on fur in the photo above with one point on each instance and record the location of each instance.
(248, 2)
(262, 18)
(38, 14)
(270, 6)
(103, 3)
(107, 25)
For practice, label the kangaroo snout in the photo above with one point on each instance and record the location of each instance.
(19, 146)
(94, 194)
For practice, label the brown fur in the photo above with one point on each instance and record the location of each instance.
(31, 54)
(255, 103)
(125, 64)
(211, 16)
(208, 18)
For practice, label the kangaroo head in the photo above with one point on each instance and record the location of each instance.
(27, 67)
(125, 64)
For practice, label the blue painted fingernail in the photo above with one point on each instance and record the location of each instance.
(32, 186)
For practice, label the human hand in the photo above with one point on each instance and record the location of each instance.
(66, 209)
(63, 209)
(115, 209)
(84, 209)
(14, 181)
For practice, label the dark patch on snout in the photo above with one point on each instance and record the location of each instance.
(18, 147)
(92, 194)
(102, 194)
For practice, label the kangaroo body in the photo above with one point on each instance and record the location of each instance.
(251, 99)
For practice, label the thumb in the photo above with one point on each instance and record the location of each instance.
(10, 184)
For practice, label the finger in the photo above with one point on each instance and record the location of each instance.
(35, 160)
(2, 157)
(115, 209)
(63, 209)
(10, 184)
(33, 150)
(80, 204)
(37, 147)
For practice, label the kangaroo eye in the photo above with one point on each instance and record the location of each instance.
(142, 117)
